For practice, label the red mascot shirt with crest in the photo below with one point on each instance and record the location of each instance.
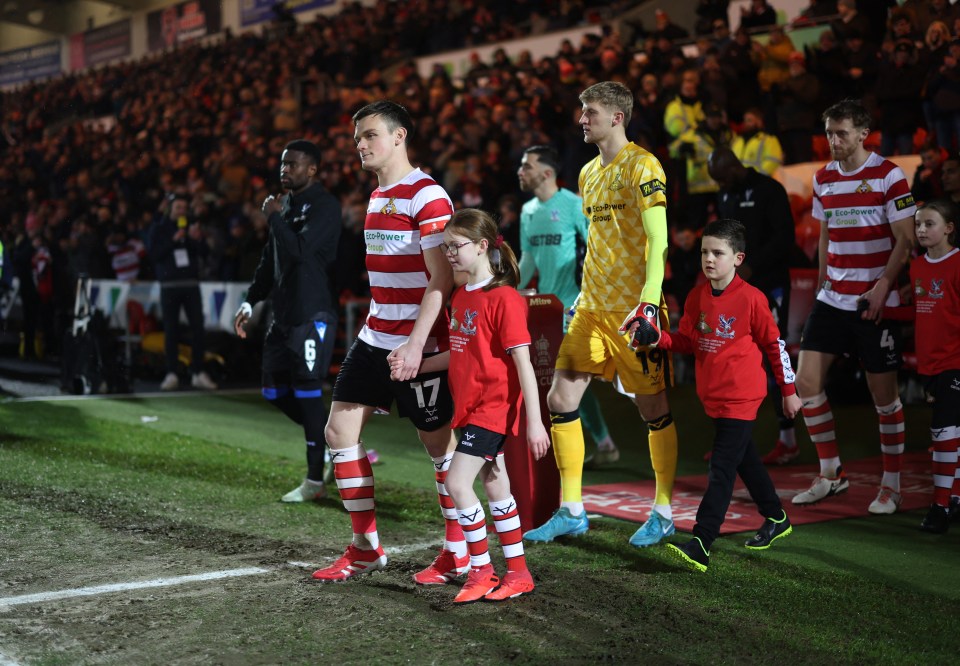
(484, 326)
(726, 334)
(936, 297)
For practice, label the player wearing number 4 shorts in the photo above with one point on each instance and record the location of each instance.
(866, 210)
(410, 282)
(294, 274)
(624, 197)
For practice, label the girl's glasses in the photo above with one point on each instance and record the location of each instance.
(453, 249)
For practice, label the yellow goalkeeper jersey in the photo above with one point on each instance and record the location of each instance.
(614, 197)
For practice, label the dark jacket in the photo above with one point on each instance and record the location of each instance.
(174, 261)
(898, 93)
(297, 260)
(761, 204)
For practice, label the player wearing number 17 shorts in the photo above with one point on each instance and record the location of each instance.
(410, 282)
(624, 198)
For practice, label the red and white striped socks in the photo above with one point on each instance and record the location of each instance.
(892, 436)
(506, 518)
(453, 532)
(945, 472)
(818, 418)
(355, 483)
(474, 524)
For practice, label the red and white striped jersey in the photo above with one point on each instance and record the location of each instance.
(859, 208)
(402, 221)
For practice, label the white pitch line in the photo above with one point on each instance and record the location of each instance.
(7, 661)
(395, 550)
(130, 396)
(120, 587)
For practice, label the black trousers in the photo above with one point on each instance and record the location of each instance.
(171, 300)
(733, 454)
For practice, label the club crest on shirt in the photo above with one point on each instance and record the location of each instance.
(703, 326)
(918, 289)
(936, 288)
(303, 214)
(617, 183)
(864, 187)
(726, 327)
(554, 215)
(390, 208)
(469, 326)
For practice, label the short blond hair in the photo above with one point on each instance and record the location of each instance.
(612, 95)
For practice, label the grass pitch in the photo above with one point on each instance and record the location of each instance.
(92, 493)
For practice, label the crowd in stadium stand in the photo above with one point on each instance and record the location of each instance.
(86, 159)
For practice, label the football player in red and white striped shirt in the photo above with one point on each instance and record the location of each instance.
(866, 210)
(410, 282)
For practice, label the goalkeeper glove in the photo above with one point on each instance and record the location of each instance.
(647, 316)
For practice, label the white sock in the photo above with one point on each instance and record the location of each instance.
(664, 510)
(788, 437)
(575, 508)
(829, 467)
(891, 480)
(606, 444)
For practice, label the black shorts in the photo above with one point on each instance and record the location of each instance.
(480, 442)
(945, 389)
(365, 379)
(830, 330)
(299, 356)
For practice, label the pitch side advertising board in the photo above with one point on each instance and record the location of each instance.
(258, 11)
(183, 22)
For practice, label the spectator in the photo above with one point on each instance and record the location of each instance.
(928, 179)
(744, 91)
(931, 57)
(125, 254)
(758, 150)
(772, 59)
(860, 72)
(898, 87)
(759, 14)
(902, 28)
(721, 35)
(950, 175)
(709, 12)
(666, 28)
(925, 12)
(695, 146)
(849, 21)
(943, 88)
(795, 115)
(827, 65)
(176, 245)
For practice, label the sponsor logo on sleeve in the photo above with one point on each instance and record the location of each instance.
(904, 202)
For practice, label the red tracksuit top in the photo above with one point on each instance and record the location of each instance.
(726, 334)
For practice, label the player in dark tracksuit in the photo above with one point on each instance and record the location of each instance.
(295, 273)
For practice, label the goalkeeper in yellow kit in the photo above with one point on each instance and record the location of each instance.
(624, 197)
